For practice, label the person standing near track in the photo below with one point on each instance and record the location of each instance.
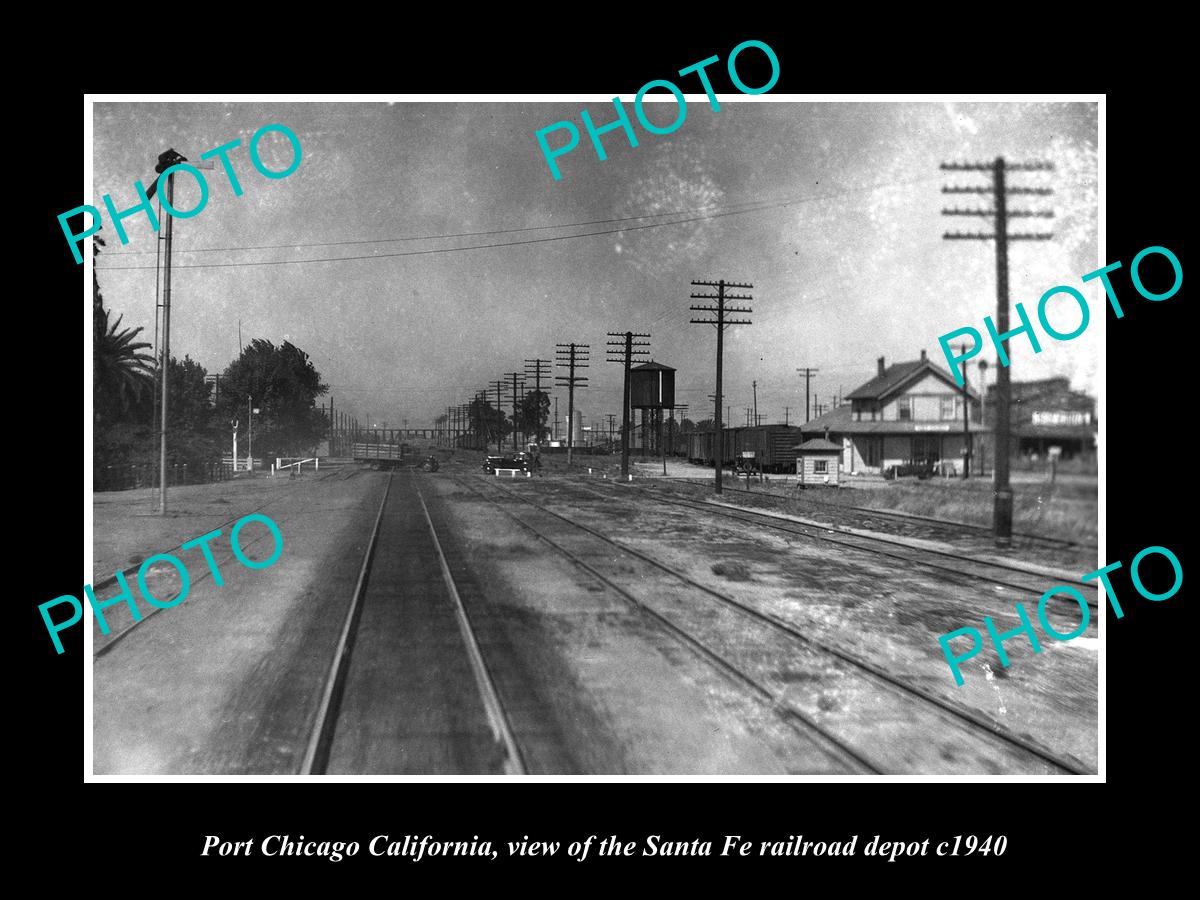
(535, 458)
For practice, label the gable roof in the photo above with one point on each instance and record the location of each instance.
(897, 375)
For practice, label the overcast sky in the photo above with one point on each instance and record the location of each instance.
(847, 260)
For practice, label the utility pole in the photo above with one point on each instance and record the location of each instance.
(720, 322)
(682, 409)
(983, 367)
(168, 229)
(555, 438)
(498, 387)
(808, 374)
(966, 421)
(1002, 509)
(515, 387)
(627, 350)
(540, 367)
(571, 357)
(166, 162)
(786, 412)
(755, 385)
(479, 404)
(612, 417)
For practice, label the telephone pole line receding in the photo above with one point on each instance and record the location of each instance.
(571, 357)
(720, 322)
(624, 355)
(498, 387)
(808, 374)
(515, 387)
(1002, 509)
(537, 368)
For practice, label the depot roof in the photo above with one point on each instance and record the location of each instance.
(897, 375)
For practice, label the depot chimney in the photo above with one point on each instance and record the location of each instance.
(881, 367)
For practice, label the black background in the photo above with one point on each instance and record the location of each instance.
(1065, 831)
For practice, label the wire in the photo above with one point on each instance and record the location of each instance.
(563, 237)
(453, 234)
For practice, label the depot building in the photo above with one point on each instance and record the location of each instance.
(912, 413)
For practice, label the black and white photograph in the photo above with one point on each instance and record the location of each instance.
(692, 436)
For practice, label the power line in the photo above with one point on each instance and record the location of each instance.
(562, 237)
(454, 234)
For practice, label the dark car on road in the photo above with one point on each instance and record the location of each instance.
(492, 463)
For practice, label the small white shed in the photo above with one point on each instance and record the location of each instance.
(819, 462)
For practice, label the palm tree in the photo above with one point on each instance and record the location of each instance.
(120, 371)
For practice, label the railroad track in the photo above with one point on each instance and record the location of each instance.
(339, 684)
(948, 527)
(921, 721)
(1027, 581)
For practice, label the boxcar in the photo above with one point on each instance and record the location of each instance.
(772, 446)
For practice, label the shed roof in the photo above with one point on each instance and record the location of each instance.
(650, 365)
(819, 445)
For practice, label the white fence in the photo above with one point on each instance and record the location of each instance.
(295, 464)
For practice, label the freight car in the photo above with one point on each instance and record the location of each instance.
(773, 447)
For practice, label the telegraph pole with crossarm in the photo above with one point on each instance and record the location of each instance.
(721, 323)
(627, 350)
(1003, 507)
(571, 357)
(537, 368)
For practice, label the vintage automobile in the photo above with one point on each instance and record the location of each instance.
(921, 469)
(516, 461)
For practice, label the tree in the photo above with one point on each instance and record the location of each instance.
(284, 385)
(121, 373)
(495, 425)
(531, 414)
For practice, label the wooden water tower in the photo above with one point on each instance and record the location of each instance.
(652, 386)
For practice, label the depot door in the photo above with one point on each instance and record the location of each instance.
(926, 448)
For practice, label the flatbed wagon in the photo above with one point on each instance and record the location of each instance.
(393, 456)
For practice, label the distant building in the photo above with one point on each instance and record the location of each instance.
(912, 412)
(577, 429)
(1048, 414)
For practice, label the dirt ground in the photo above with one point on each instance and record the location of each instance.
(228, 681)
(865, 605)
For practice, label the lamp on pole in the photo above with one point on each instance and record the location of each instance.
(249, 434)
(168, 161)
